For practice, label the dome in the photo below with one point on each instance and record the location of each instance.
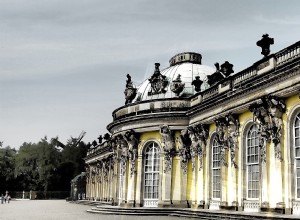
(188, 66)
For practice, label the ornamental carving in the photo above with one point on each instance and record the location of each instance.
(105, 168)
(130, 90)
(177, 85)
(227, 133)
(131, 137)
(184, 150)
(158, 82)
(198, 135)
(168, 142)
(233, 126)
(221, 137)
(268, 118)
(87, 173)
(99, 171)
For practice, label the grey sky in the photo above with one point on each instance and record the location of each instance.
(63, 64)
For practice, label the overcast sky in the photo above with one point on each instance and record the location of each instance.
(63, 63)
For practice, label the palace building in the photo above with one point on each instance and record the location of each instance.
(200, 137)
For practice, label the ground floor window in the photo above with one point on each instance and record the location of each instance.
(151, 175)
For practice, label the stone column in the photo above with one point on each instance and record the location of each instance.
(166, 184)
(224, 182)
(232, 186)
(139, 182)
(124, 185)
(264, 185)
(131, 189)
(184, 144)
(183, 187)
(275, 179)
(200, 185)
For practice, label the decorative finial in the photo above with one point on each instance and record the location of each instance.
(177, 86)
(265, 43)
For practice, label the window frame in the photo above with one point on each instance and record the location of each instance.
(248, 164)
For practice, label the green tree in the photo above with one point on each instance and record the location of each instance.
(7, 165)
(26, 169)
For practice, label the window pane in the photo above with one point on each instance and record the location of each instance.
(252, 163)
(215, 166)
(296, 147)
(151, 168)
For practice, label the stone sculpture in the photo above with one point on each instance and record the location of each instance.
(167, 139)
(158, 81)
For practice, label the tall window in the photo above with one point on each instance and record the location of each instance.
(216, 170)
(252, 163)
(297, 153)
(151, 184)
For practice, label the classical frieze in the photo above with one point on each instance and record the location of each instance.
(168, 142)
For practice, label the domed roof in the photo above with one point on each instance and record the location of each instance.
(188, 66)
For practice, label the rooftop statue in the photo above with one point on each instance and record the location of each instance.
(265, 43)
(215, 77)
(197, 82)
(100, 138)
(130, 91)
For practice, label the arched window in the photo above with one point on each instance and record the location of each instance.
(216, 170)
(151, 175)
(296, 138)
(252, 163)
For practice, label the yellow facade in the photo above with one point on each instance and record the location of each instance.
(230, 146)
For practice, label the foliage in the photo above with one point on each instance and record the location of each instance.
(43, 166)
(7, 166)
